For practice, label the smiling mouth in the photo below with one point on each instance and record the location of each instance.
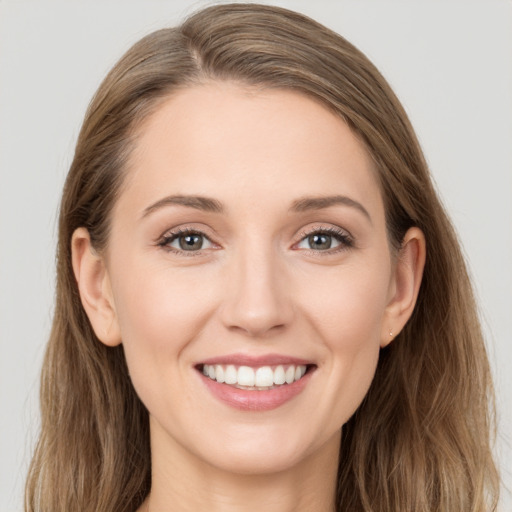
(261, 378)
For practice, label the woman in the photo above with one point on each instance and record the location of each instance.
(261, 303)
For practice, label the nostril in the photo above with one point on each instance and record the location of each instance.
(258, 306)
(257, 329)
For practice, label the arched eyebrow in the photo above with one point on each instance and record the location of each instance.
(302, 204)
(305, 204)
(206, 204)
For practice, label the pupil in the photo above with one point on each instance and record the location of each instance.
(320, 241)
(191, 242)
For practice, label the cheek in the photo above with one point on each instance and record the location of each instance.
(159, 312)
(348, 304)
(348, 312)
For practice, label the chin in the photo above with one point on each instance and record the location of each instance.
(256, 462)
(265, 450)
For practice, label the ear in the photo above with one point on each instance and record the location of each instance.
(405, 284)
(94, 287)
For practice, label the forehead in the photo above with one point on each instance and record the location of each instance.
(239, 143)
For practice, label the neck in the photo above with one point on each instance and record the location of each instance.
(181, 482)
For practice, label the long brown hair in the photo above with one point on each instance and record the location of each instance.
(420, 441)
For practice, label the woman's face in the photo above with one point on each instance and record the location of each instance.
(249, 243)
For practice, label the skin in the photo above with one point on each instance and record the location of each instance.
(256, 287)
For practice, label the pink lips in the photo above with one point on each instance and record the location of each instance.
(254, 361)
(255, 400)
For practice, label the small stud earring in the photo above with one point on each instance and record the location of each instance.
(391, 333)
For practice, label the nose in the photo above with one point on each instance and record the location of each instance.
(257, 296)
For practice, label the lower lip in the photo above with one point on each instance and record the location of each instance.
(254, 400)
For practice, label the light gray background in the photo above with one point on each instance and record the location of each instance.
(450, 63)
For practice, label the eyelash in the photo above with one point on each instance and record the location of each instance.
(346, 241)
(171, 236)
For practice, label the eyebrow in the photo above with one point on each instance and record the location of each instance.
(305, 204)
(199, 203)
(300, 205)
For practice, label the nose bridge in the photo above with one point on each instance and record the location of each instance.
(256, 299)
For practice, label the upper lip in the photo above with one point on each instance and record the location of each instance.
(255, 361)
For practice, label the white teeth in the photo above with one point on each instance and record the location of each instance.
(219, 373)
(230, 376)
(279, 375)
(290, 375)
(264, 377)
(245, 376)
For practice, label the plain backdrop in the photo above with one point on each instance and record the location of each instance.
(450, 62)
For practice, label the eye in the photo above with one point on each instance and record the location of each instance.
(188, 241)
(324, 240)
(318, 242)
